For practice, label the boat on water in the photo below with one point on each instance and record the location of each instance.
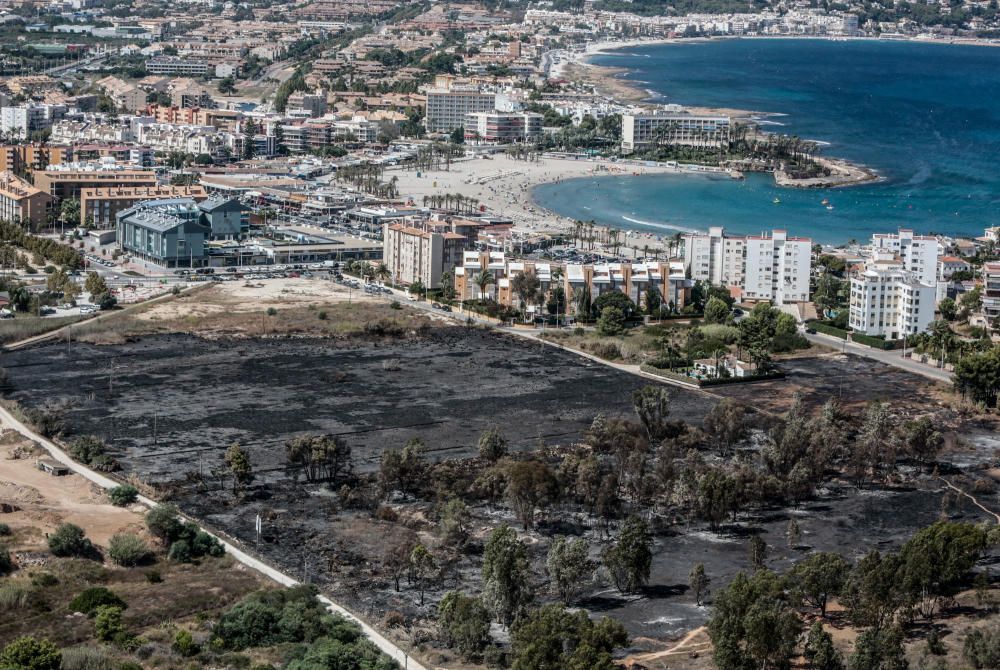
(777, 201)
(824, 202)
(829, 207)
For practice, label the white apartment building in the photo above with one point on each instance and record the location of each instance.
(891, 302)
(772, 267)
(447, 108)
(181, 67)
(645, 130)
(917, 253)
(777, 268)
(502, 127)
(20, 122)
(715, 257)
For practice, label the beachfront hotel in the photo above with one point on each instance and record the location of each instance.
(447, 108)
(502, 127)
(772, 267)
(645, 130)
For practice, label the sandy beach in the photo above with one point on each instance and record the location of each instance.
(504, 186)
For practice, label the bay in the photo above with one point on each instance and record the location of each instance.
(925, 116)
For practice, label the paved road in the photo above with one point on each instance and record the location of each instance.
(893, 358)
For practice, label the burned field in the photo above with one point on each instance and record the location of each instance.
(171, 405)
(168, 406)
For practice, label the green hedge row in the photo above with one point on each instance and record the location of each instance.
(828, 330)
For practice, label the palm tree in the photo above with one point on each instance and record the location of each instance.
(482, 280)
(553, 285)
(382, 272)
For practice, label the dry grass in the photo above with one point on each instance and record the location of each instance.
(23, 327)
(253, 310)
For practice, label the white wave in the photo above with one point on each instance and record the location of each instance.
(765, 122)
(667, 226)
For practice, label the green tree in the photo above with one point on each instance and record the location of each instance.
(492, 444)
(937, 560)
(128, 550)
(819, 650)
(123, 495)
(238, 461)
(921, 439)
(628, 561)
(817, 577)
(753, 625)
(981, 648)
(529, 484)
(716, 311)
(526, 286)
(948, 309)
(28, 653)
(455, 521)
(227, 86)
(615, 299)
(873, 595)
(977, 376)
(506, 579)
(423, 567)
(70, 540)
(69, 211)
(570, 567)
(552, 638)
(879, 649)
(611, 322)
(108, 624)
(163, 522)
(402, 468)
(95, 285)
(464, 624)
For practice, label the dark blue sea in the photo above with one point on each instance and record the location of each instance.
(925, 116)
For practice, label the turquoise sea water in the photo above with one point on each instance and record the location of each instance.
(925, 116)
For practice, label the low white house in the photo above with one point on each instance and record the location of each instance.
(727, 366)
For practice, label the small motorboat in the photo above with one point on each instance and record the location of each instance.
(777, 201)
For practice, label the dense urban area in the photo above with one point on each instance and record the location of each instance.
(296, 374)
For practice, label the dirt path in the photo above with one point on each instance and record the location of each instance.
(685, 646)
(972, 498)
(46, 500)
